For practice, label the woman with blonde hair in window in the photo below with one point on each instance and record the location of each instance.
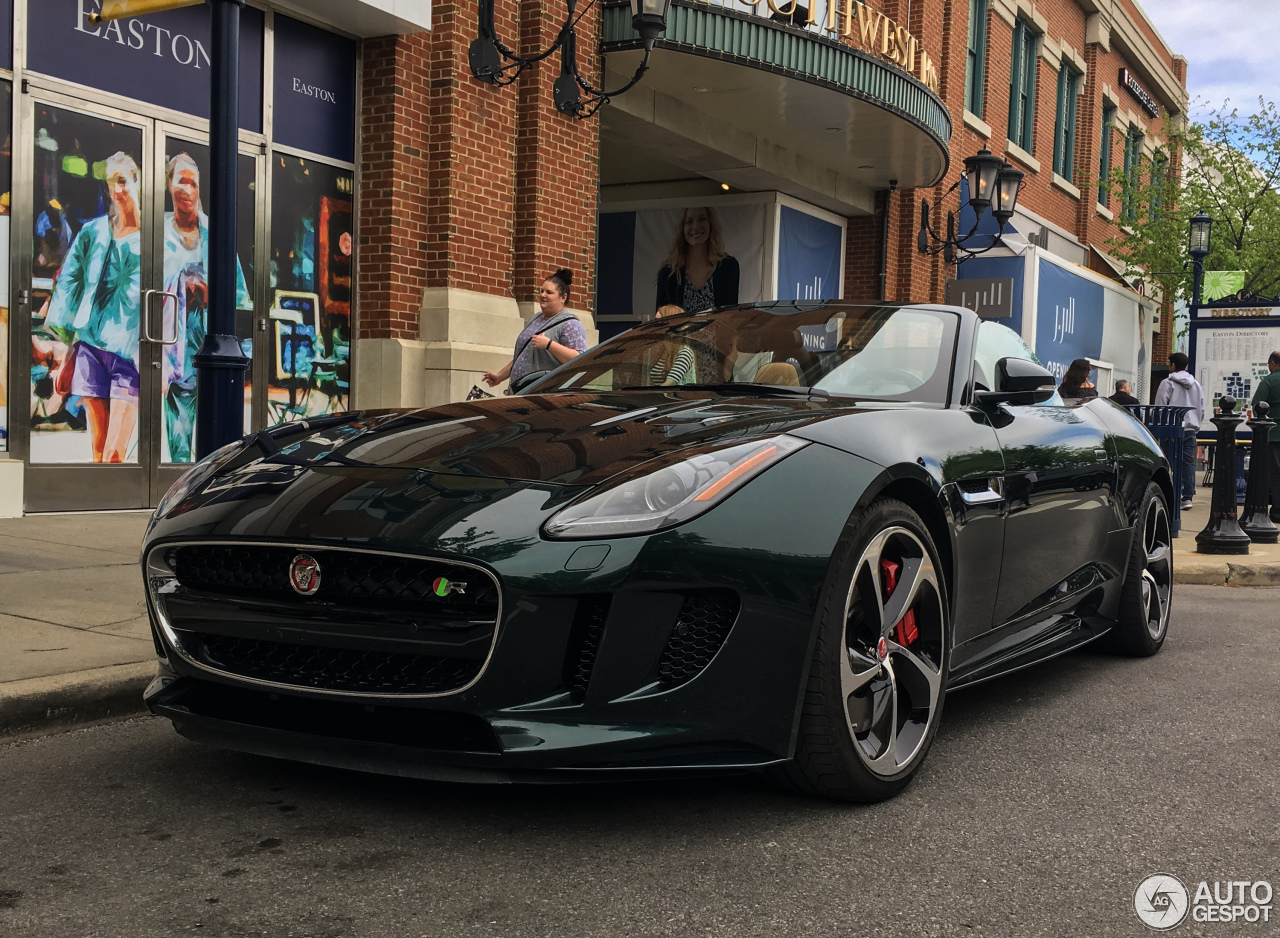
(698, 274)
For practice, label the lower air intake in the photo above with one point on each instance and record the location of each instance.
(705, 618)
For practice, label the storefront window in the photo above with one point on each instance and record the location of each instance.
(85, 288)
(6, 176)
(186, 262)
(311, 289)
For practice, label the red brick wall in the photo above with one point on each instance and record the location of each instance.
(557, 165)
(491, 189)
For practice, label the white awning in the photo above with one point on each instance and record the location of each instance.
(366, 18)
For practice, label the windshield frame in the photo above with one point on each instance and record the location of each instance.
(940, 385)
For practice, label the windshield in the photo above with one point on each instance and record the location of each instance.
(897, 353)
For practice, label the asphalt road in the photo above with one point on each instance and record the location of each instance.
(1048, 797)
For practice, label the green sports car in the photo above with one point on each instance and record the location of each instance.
(781, 559)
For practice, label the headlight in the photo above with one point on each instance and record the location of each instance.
(197, 475)
(661, 496)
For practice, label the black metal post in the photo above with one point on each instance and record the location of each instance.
(1197, 279)
(1222, 535)
(1257, 522)
(220, 363)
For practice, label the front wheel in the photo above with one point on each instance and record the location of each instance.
(879, 669)
(1146, 598)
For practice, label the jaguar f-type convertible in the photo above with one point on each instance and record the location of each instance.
(763, 538)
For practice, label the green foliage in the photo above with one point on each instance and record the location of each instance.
(1231, 169)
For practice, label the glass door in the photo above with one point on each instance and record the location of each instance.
(117, 295)
(90, 241)
(183, 245)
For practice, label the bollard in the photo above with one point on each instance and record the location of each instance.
(1256, 521)
(1222, 535)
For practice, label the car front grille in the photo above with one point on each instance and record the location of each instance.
(385, 581)
(333, 668)
(378, 623)
(705, 618)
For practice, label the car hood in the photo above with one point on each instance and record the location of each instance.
(472, 478)
(556, 439)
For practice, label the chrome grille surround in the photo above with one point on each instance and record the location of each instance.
(160, 579)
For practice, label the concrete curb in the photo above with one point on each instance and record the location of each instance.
(39, 705)
(1224, 573)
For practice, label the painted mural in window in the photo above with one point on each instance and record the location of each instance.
(309, 321)
(86, 273)
(6, 176)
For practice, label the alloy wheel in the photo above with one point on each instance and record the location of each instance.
(894, 643)
(1157, 568)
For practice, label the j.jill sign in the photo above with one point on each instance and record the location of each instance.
(868, 28)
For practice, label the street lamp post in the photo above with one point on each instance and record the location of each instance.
(220, 363)
(487, 53)
(993, 184)
(1198, 248)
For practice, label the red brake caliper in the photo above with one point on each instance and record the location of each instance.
(905, 631)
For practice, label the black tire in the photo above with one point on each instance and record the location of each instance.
(1146, 598)
(865, 744)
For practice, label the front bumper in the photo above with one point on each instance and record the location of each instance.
(529, 714)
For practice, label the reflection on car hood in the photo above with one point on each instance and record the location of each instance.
(561, 439)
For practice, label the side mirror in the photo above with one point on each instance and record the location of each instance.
(1018, 381)
(528, 381)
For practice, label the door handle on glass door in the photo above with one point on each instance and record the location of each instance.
(147, 297)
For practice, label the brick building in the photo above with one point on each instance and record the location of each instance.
(398, 214)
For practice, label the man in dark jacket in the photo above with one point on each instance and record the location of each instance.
(1122, 395)
(1269, 391)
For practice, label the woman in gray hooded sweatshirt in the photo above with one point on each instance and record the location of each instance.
(1180, 389)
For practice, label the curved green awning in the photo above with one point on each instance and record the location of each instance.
(755, 42)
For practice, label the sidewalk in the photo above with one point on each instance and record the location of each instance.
(75, 645)
(74, 641)
(1260, 567)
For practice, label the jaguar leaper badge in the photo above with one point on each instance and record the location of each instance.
(443, 587)
(304, 575)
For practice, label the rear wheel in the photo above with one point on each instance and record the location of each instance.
(1146, 598)
(879, 670)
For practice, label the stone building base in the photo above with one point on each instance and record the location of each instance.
(463, 334)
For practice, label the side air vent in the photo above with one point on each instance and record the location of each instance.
(700, 629)
(584, 641)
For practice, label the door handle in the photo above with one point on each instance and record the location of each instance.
(148, 297)
(1101, 456)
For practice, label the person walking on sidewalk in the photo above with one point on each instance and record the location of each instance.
(551, 338)
(1269, 391)
(1180, 389)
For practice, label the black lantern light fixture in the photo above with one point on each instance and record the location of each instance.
(574, 95)
(993, 184)
(1198, 248)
